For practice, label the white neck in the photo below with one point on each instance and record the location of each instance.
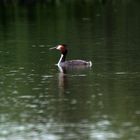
(60, 59)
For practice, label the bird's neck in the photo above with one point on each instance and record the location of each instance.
(62, 59)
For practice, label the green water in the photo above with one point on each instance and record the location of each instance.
(38, 102)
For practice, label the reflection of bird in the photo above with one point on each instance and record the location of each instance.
(71, 63)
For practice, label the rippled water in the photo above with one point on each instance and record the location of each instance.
(38, 102)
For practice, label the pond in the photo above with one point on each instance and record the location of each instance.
(40, 102)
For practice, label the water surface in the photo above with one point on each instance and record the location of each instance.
(39, 102)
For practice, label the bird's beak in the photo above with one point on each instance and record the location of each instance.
(52, 48)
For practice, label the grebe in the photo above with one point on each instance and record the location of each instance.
(71, 63)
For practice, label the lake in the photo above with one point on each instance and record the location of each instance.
(40, 102)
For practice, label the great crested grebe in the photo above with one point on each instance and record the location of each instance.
(71, 63)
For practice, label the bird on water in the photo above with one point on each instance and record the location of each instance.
(70, 63)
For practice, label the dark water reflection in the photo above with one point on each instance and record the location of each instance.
(40, 102)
